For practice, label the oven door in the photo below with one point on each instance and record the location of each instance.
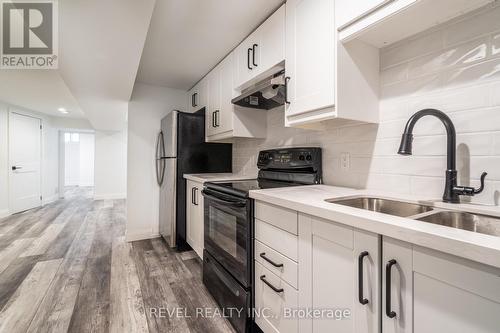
(228, 233)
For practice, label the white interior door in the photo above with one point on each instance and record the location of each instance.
(25, 162)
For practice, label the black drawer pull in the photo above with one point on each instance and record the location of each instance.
(263, 279)
(286, 89)
(248, 58)
(195, 196)
(263, 256)
(388, 269)
(361, 298)
(254, 46)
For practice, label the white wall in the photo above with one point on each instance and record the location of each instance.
(4, 162)
(110, 171)
(455, 68)
(149, 104)
(86, 166)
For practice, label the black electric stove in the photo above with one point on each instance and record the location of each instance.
(229, 228)
(278, 168)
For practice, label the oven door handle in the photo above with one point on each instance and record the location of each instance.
(222, 199)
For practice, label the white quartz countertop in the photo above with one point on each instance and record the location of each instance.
(466, 244)
(215, 177)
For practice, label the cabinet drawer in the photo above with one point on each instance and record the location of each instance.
(288, 270)
(282, 218)
(272, 303)
(277, 239)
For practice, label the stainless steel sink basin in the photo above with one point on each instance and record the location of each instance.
(386, 206)
(466, 221)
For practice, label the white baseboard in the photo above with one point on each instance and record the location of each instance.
(4, 213)
(136, 236)
(50, 199)
(110, 196)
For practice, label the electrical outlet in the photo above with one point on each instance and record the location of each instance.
(345, 161)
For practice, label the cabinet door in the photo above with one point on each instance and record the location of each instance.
(397, 317)
(451, 294)
(347, 11)
(214, 100)
(244, 53)
(269, 49)
(190, 215)
(310, 55)
(200, 221)
(225, 117)
(329, 278)
(194, 217)
(197, 97)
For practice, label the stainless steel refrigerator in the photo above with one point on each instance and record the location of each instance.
(181, 149)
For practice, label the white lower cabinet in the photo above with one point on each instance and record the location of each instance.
(325, 276)
(432, 292)
(194, 216)
(330, 256)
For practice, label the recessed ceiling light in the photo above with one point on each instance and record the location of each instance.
(63, 110)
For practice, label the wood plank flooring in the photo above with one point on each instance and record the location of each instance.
(66, 267)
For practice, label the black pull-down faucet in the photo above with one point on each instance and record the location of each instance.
(452, 191)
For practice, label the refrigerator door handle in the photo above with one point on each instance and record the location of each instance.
(160, 164)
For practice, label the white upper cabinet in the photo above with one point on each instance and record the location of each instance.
(198, 96)
(262, 53)
(310, 59)
(223, 119)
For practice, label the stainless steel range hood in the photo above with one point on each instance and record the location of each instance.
(266, 94)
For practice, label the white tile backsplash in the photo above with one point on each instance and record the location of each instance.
(455, 68)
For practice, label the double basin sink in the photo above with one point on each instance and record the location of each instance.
(455, 219)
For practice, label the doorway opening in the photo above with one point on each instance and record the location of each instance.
(77, 159)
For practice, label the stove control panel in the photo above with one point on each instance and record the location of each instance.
(290, 158)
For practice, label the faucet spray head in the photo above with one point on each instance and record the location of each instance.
(405, 148)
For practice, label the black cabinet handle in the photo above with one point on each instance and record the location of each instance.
(361, 298)
(16, 168)
(192, 195)
(192, 100)
(213, 119)
(195, 196)
(195, 97)
(263, 256)
(388, 269)
(217, 118)
(263, 279)
(286, 89)
(253, 54)
(248, 58)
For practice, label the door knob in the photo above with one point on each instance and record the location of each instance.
(16, 167)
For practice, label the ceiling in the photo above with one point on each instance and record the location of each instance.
(40, 90)
(187, 38)
(106, 46)
(101, 43)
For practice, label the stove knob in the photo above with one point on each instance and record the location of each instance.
(309, 157)
(301, 157)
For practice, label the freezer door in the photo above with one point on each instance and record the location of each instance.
(168, 202)
(169, 129)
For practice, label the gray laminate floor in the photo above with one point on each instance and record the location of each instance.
(66, 267)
